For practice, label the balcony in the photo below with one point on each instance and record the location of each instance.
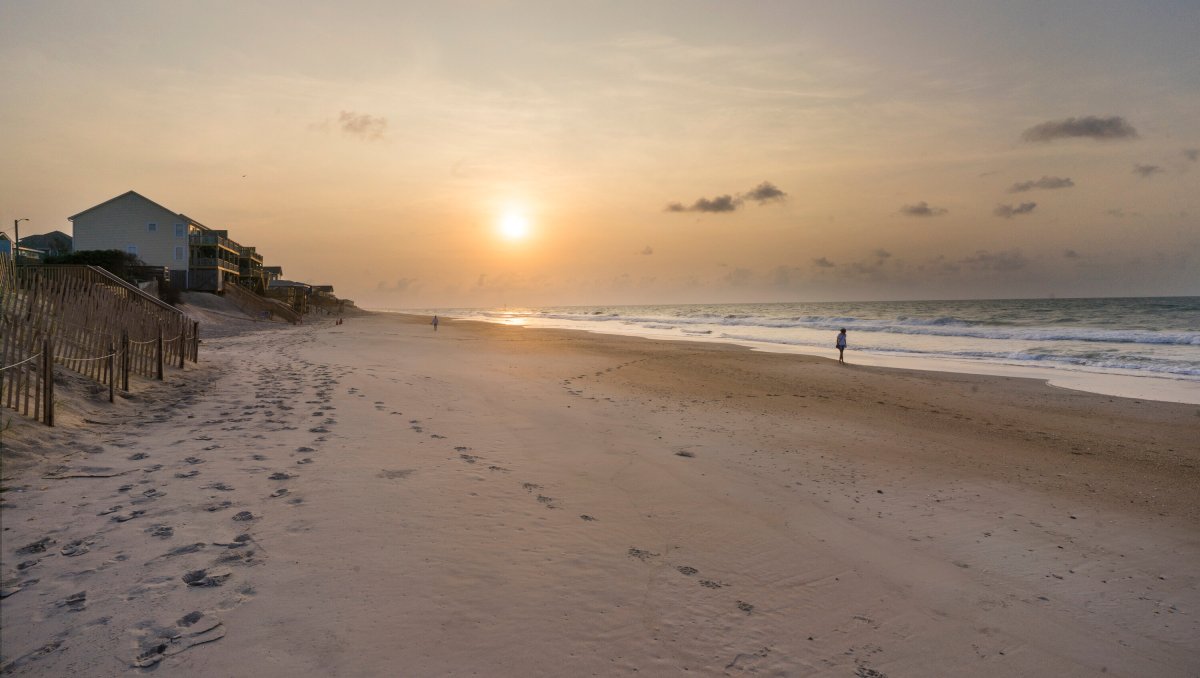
(212, 240)
(211, 262)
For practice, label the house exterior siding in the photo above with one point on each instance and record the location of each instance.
(123, 222)
(198, 257)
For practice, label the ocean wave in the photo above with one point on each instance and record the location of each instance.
(1105, 360)
(945, 326)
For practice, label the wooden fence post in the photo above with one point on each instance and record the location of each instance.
(48, 377)
(182, 343)
(158, 346)
(196, 341)
(112, 375)
(125, 360)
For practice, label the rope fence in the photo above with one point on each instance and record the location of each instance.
(86, 321)
(35, 356)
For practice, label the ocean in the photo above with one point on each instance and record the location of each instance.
(1149, 337)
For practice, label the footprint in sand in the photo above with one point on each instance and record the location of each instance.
(641, 554)
(124, 517)
(76, 602)
(76, 547)
(191, 630)
(190, 474)
(160, 531)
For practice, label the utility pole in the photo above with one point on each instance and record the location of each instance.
(17, 243)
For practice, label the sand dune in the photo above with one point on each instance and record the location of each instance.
(377, 499)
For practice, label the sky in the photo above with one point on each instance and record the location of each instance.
(488, 153)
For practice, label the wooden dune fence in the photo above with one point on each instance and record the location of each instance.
(87, 320)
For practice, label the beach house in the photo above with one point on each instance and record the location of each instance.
(199, 257)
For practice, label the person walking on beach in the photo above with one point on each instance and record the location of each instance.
(841, 346)
(435, 322)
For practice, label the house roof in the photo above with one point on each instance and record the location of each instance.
(135, 194)
(287, 283)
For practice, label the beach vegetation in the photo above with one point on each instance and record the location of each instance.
(120, 264)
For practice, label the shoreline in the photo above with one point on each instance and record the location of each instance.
(346, 499)
(1125, 384)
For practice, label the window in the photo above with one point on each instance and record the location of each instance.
(180, 231)
(178, 254)
(152, 227)
(131, 249)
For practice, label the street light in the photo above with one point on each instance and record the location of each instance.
(17, 243)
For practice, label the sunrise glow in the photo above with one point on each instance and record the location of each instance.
(514, 226)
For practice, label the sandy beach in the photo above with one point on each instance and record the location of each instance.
(377, 499)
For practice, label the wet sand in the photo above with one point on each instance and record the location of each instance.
(379, 499)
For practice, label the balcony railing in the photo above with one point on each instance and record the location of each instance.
(209, 262)
(215, 241)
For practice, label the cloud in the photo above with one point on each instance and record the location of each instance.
(721, 203)
(764, 192)
(648, 250)
(822, 262)
(402, 285)
(1011, 260)
(1048, 183)
(1010, 211)
(739, 277)
(1088, 127)
(1070, 254)
(367, 127)
(922, 209)
(882, 253)
(1147, 171)
(1192, 154)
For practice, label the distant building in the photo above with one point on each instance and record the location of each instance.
(199, 257)
(53, 243)
(292, 293)
(28, 255)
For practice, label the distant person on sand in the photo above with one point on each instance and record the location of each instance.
(435, 322)
(841, 346)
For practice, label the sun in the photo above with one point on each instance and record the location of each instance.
(514, 226)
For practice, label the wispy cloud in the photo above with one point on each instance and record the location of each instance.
(1070, 254)
(401, 285)
(882, 253)
(763, 193)
(822, 262)
(1087, 127)
(1047, 183)
(647, 250)
(1010, 211)
(1147, 171)
(922, 209)
(1011, 260)
(362, 125)
(1192, 154)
